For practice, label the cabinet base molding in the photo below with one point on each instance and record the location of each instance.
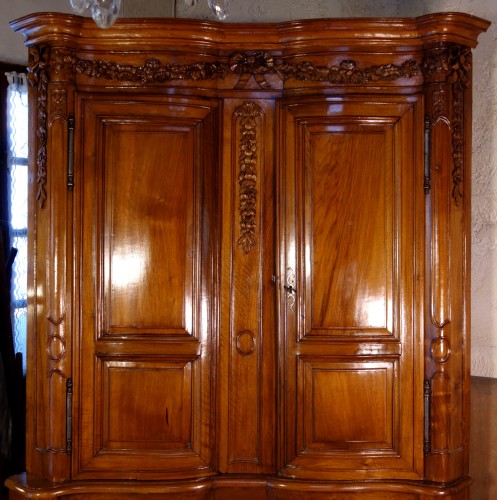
(235, 487)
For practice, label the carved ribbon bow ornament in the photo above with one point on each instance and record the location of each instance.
(247, 65)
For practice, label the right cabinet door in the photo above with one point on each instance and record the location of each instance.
(351, 229)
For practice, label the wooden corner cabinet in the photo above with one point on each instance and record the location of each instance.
(249, 264)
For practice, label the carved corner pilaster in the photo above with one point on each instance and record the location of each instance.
(448, 72)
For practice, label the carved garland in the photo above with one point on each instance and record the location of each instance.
(257, 65)
(460, 62)
(248, 113)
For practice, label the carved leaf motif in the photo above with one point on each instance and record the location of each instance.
(460, 64)
(38, 77)
(460, 59)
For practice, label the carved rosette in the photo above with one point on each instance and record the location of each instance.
(39, 60)
(248, 114)
(58, 100)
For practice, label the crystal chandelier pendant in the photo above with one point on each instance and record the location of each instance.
(80, 6)
(105, 12)
(220, 8)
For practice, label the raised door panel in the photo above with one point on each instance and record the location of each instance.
(351, 221)
(147, 217)
(349, 230)
(137, 389)
(148, 207)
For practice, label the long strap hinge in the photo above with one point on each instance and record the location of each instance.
(427, 176)
(427, 410)
(69, 416)
(70, 152)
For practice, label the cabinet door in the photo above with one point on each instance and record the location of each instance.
(146, 274)
(351, 228)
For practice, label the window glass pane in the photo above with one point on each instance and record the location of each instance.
(20, 316)
(18, 128)
(20, 271)
(19, 196)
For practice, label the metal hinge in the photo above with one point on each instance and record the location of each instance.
(427, 180)
(69, 416)
(70, 152)
(427, 408)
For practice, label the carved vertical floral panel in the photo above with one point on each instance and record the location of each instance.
(248, 114)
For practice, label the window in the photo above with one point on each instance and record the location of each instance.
(17, 189)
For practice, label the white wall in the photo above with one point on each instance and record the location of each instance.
(284, 10)
(484, 274)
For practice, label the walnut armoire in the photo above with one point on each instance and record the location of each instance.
(250, 259)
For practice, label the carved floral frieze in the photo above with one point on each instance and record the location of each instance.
(250, 64)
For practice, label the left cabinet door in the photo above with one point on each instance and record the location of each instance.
(146, 218)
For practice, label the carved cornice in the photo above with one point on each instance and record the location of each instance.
(248, 113)
(39, 60)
